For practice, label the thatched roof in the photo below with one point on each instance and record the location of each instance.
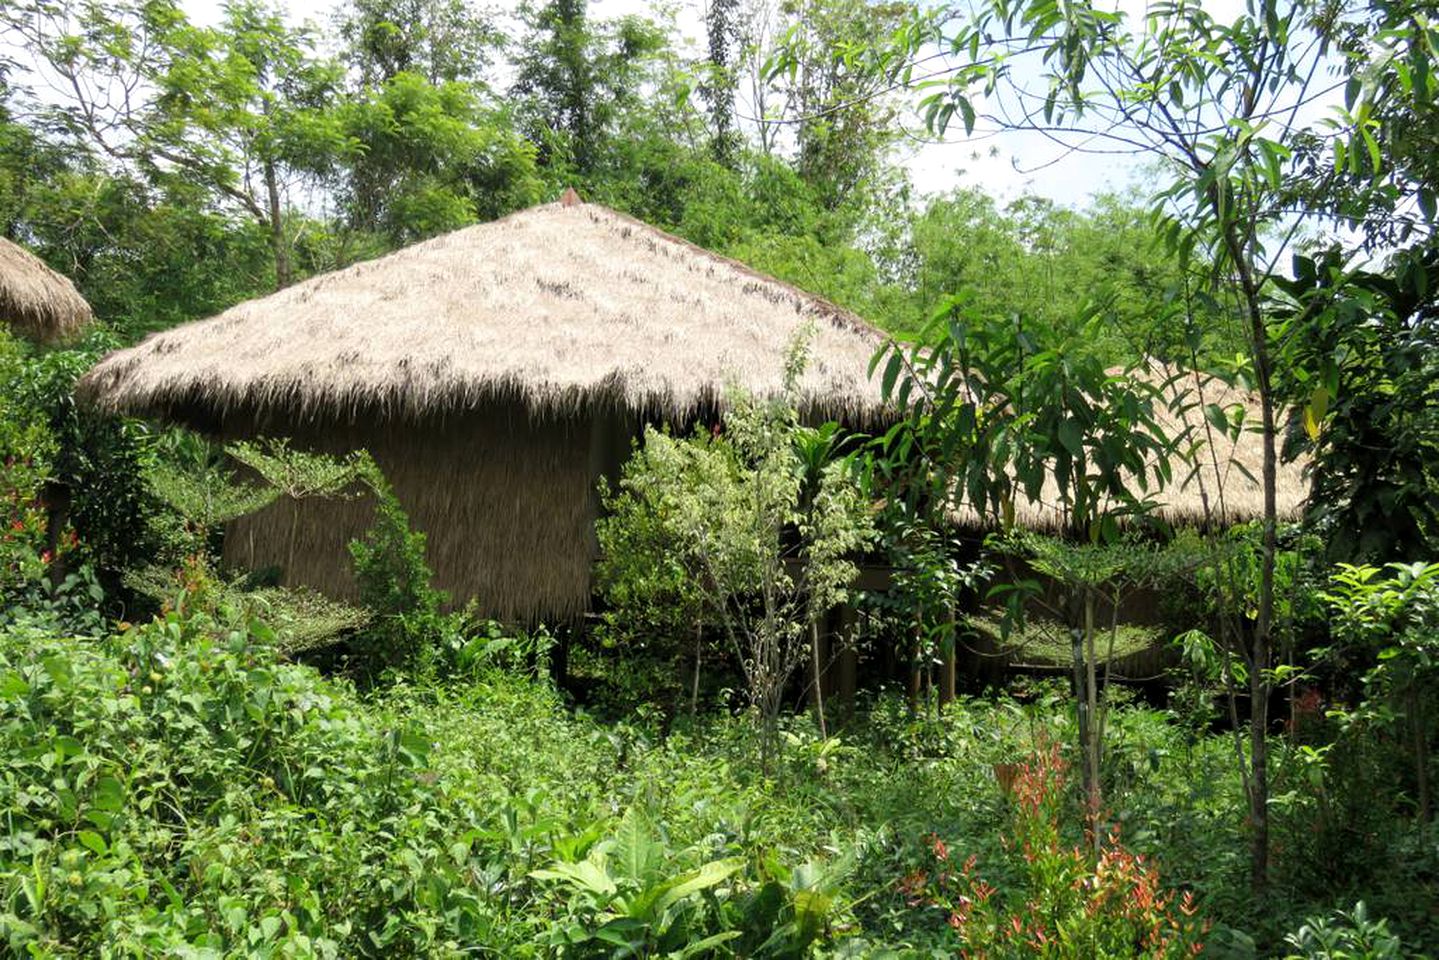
(1216, 476)
(559, 306)
(35, 300)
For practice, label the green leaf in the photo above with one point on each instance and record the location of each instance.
(636, 853)
(891, 374)
(92, 841)
(711, 874)
(966, 110)
(415, 744)
(109, 795)
(1071, 436)
(1426, 202)
(698, 947)
(1314, 412)
(589, 875)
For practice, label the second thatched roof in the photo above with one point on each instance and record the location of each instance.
(1216, 472)
(35, 301)
(559, 306)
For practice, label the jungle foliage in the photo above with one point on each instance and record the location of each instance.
(195, 761)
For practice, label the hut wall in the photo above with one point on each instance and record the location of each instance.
(504, 501)
(612, 435)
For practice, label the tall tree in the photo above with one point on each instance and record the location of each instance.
(1384, 186)
(441, 40)
(27, 163)
(240, 111)
(577, 78)
(431, 158)
(1220, 106)
(831, 94)
(723, 36)
(1048, 263)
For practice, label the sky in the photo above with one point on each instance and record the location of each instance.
(1006, 166)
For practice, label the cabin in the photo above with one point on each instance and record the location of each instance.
(35, 301)
(495, 373)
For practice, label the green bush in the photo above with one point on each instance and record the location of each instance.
(724, 530)
(97, 460)
(407, 627)
(174, 789)
(1347, 935)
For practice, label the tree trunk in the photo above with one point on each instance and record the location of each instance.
(1091, 703)
(1261, 645)
(947, 666)
(695, 686)
(916, 678)
(848, 659)
(284, 273)
(57, 499)
(1081, 709)
(815, 659)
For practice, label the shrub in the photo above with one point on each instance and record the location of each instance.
(1347, 935)
(173, 789)
(93, 464)
(723, 525)
(1068, 902)
(407, 626)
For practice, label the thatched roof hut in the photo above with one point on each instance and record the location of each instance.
(1216, 473)
(495, 373)
(36, 301)
(558, 308)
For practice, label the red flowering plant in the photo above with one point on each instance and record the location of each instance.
(27, 448)
(1070, 902)
(24, 555)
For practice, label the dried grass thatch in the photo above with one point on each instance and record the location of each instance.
(495, 374)
(561, 307)
(1216, 477)
(506, 503)
(35, 300)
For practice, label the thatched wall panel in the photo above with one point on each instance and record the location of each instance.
(503, 499)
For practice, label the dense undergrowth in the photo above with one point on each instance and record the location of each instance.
(175, 789)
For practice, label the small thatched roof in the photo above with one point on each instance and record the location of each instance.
(1216, 477)
(35, 300)
(559, 307)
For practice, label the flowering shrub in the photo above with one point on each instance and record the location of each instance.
(22, 542)
(1070, 903)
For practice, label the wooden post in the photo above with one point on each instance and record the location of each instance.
(55, 496)
(560, 655)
